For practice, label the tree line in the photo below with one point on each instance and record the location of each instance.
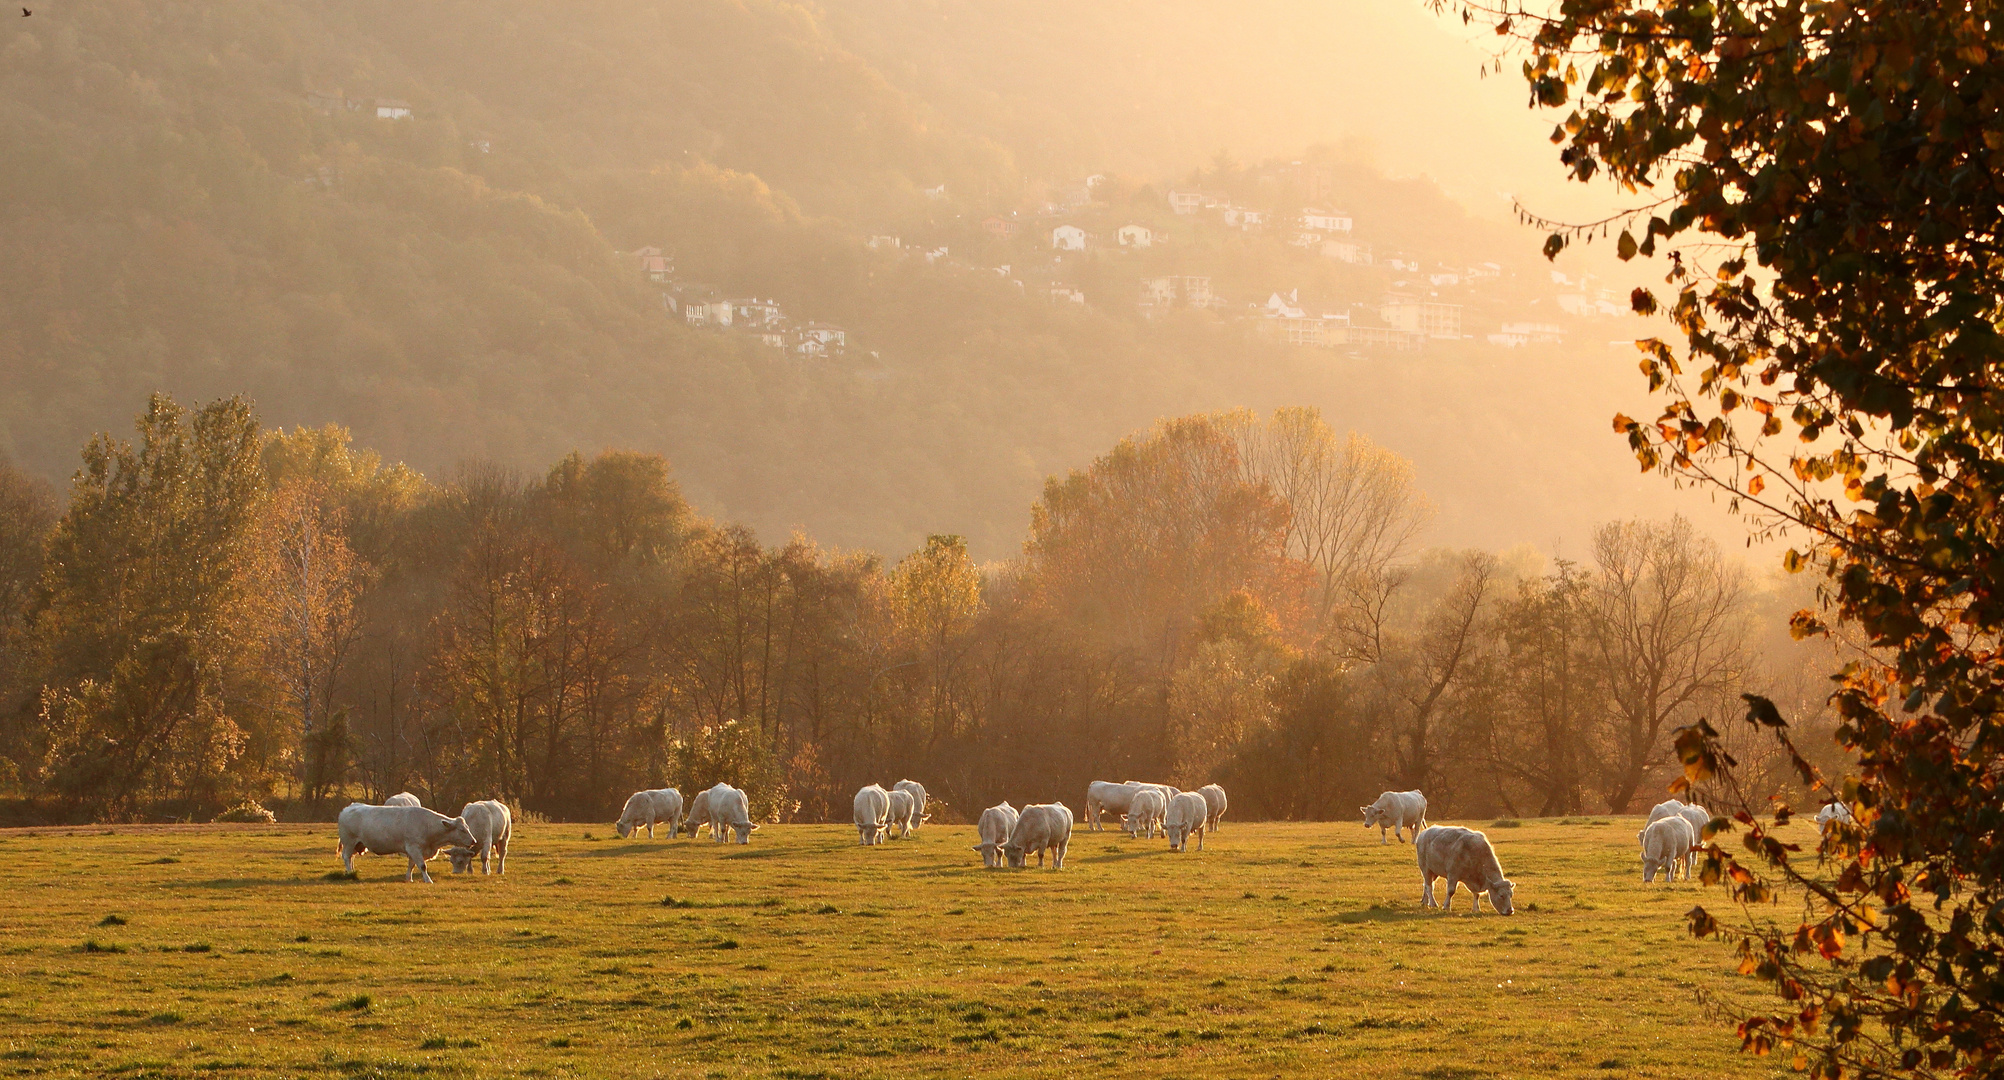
(221, 614)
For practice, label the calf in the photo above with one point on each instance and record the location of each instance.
(1396, 810)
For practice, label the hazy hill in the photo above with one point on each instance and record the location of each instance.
(178, 210)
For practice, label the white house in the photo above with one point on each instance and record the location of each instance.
(1329, 221)
(1244, 217)
(935, 192)
(1136, 236)
(1429, 317)
(706, 311)
(882, 243)
(828, 335)
(1513, 335)
(1068, 238)
(1060, 294)
(1346, 251)
(392, 109)
(751, 313)
(658, 268)
(1187, 202)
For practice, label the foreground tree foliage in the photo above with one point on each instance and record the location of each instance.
(1825, 182)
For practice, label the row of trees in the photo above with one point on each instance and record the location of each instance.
(223, 614)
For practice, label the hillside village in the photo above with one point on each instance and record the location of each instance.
(1298, 269)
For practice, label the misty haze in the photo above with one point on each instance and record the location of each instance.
(904, 538)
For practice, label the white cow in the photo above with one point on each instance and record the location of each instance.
(402, 798)
(650, 808)
(1664, 809)
(903, 807)
(384, 830)
(699, 814)
(1040, 828)
(1169, 791)
(1463, 857)
(1834, 813)
(873, 811)
(1214, 797)
(918, 800)
(997, 822)
(1144, 814)
(491, 824)
(730, 808)
(1186, 815)
(1396, 810)
(1698, 817)
(1666, 846)
(1104, 795)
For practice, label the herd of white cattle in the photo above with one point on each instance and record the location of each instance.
(1670, 839)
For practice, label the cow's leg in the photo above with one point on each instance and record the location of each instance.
(1200, 838)
(1448, 904)
(348, 858)
(1382, 837)
(1059, 862)
(1426, 889)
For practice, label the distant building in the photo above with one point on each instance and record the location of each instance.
(882, 243)
(1064, 294)
(1068, 238)
(755, 314)
(1347, 251)
(1513, 335)
(998, 226)
(937, 191)
(485, 146)
(830, 337)
(392, 109)
(1190, 290)
(1244, 217)
(1188, 202)
(1429, 317)
(1135, 236)
(658, 268)
(1328, 221)
(326, 103)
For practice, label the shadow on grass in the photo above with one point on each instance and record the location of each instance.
(1123, 856)
(1379, 915)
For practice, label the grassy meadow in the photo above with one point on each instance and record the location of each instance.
(1280, 950)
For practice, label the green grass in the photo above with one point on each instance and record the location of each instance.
(1280, 950)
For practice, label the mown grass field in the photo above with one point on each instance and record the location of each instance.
(1280, 950)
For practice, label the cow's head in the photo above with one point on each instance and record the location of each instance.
(625, 828)
(462, 859)
(1500, 896)
(1014, 853)
(987, 850)
(1372, 815)
(742, 833)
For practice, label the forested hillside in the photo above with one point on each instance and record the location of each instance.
(201, 198)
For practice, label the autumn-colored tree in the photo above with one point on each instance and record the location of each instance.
(303, 582)
(146, 615)
(934, 597)
(27, 515)
(1825, 180)
(1137, 545)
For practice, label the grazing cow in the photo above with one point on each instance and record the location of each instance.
(1169, 791)
(918, 800)
(491, 824)
(384, 830)
(903, 806)
(1144, 814)
(1214, 797)
(873, 811)
(699, 814)
(730, 809)
(650, 808)
(1664, 809)
(1666, 846)
(1186, 815)
(1834, 813)
(402, 798)
(997, 822)
(1463, 857)
(1040, 828)
(1698, 817)
(1104, 795)
(1396, 810)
